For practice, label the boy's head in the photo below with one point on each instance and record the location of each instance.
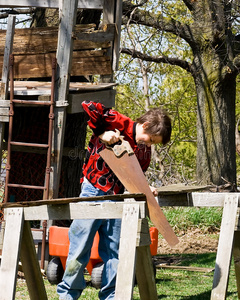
(156, 124)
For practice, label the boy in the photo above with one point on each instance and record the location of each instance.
(152, 128)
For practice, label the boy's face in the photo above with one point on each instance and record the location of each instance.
(145, 138)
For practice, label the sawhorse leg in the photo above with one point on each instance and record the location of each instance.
(225, 244)
(18, 242)
(236, 255)
(127, 258)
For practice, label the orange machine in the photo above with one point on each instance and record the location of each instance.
(59, 245)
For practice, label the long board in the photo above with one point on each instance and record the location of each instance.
(127, 168)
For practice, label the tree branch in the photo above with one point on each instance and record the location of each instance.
(189, 4)
(4, 13)
(143, 17)
(158, 59)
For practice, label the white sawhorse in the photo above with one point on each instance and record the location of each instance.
(134, 245)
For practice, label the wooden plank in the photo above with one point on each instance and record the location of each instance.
(84, 63)
(224, 252)
(30, 266)
(10, 252)
(127, 252)
(236, 255)
(85, 4)
(75, 100)
(145, 275)
(104, 210)
(44, 40)
(185, 268)
(196, 199)
(125, 168)
(118, 197)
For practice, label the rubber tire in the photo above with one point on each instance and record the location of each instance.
(96, 276)
(55, 271)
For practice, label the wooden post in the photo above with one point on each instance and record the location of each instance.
(144, 265)
(10, 253)
(236, 255)
(64, 60)
(224, 253)
(127, 252)
(30, 265)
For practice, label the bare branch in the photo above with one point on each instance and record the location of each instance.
(158, 59)
(4, 13)
(144, 17)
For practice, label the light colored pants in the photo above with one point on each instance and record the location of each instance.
(81, 235)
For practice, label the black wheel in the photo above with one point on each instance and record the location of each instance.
(96, 276)
(55, 271)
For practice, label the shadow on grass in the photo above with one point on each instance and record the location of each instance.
(202, 296)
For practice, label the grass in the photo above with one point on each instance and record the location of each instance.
(184, 218)
(171, 284)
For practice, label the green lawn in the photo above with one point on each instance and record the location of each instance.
(171, 284)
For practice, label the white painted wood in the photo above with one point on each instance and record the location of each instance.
(10, 252)
(83, 210)
(87, 4)
(127, 252)
(30, 266)
(224, 253)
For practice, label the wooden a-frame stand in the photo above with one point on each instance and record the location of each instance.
(134, 244)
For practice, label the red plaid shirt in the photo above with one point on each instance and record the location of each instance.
(101, 119)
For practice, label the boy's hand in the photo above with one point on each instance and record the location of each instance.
(109, 137)
(154, 190)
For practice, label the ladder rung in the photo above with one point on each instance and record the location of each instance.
(25, 186)
(31, 102)
(29, 144)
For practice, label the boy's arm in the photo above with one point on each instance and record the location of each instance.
(101, 119)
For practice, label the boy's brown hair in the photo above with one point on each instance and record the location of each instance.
(159, 123)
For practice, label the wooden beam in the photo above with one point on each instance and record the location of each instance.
(116, 44)
(145, 274)
(127, 252)
(203, 199)
(30, 266)
(138, 197)
(91, 210)
(85, 4)
(10, 252)
(64, 60)
(225, 244)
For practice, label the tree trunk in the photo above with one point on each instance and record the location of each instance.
(216, 154)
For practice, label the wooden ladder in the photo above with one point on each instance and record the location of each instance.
(11, 143)
(134, 243)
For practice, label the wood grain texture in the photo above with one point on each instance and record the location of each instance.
(129, 172)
